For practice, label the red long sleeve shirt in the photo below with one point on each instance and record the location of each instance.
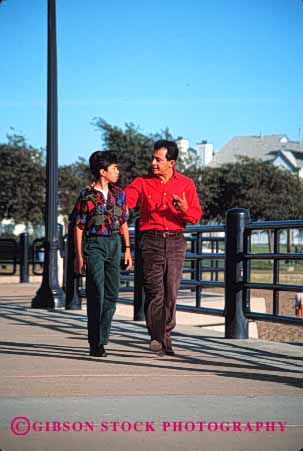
(155, 198)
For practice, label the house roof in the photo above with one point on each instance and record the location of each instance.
(290, 157)
(261, 147)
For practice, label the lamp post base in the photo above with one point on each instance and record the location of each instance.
(49, 298)
(50, 295)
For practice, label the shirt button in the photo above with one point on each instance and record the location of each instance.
(166, 228)
(164, 194)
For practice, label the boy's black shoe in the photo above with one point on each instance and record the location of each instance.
(98, 352)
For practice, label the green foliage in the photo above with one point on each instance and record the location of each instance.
(16, 140)
(22, 174)
(72, 178)
(270, 193)
(22, 182)
(132, 147)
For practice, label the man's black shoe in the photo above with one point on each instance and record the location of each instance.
(170, 351)
(155, 346)
(163, 352)
(98, 352)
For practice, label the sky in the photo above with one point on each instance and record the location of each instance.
(206, 69)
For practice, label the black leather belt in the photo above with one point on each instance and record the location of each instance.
(164, 233)
(113, 233)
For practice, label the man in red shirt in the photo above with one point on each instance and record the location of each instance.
(168, 200)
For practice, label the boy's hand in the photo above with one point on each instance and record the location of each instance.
(128, 261)
(79, 265)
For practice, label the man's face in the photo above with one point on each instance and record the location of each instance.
(159, 164)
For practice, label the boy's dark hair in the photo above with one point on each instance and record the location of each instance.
(101, 159)
(171, 146)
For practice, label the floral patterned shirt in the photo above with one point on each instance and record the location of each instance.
(96, 215)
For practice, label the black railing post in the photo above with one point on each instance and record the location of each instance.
(192, 262)
(217, 261)
(246, 270)
(60, 239)
(23, 246)
(236, 325)
(212, 262)
(276, 273)
(139, 296)
(65, 262)
(72, 300)
(199, 250)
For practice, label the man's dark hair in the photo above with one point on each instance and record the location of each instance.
(101, 160)
(171, 146)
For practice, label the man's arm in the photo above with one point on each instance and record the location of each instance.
(133, 192)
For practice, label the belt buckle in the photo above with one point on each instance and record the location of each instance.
(165, 234)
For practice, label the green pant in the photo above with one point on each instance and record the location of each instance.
(102, 257)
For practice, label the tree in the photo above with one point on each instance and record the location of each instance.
(22, 182)
(72, 178)
(270, 193)
(132, 147)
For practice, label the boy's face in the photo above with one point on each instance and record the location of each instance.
(111, 174)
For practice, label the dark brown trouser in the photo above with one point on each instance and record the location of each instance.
(163, 259)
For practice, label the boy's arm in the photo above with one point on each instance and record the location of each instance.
(127, 255)
(78, 248)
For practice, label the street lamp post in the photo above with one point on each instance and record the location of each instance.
(50, 294)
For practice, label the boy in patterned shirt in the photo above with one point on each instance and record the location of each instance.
(100, 218)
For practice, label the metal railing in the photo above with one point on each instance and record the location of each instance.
(9, 256)
(203, 262)
(13, 254)
(218, 256)
(274, 229)
(37, 256)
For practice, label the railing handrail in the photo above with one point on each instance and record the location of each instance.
(265, 225)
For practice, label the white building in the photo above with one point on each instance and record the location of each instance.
(183, 146)
(201, 155)
(205, 153)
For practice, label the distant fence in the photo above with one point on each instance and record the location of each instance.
(218, 257)
(274, 259)
(9, 256)
(27, 258)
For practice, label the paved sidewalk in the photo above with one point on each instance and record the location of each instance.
(214, 384)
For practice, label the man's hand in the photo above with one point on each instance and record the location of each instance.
(180, 203)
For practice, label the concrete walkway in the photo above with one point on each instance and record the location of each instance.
(215, 394)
